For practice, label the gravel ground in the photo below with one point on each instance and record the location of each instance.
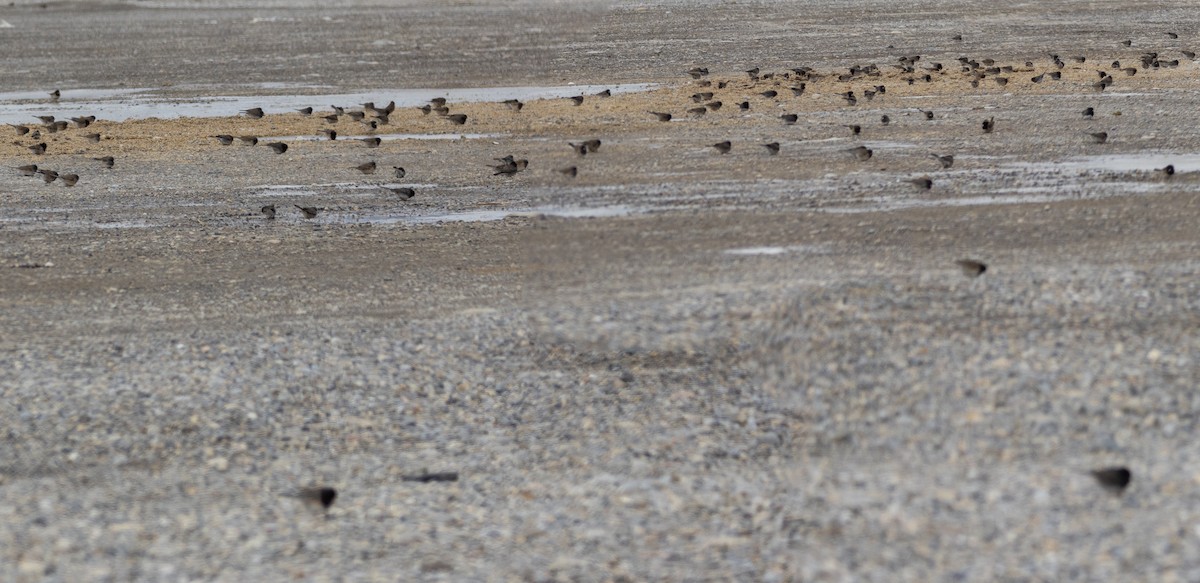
(678, 365)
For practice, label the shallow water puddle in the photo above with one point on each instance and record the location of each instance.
(123, 104)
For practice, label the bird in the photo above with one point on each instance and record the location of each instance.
(458, 118)
(863, 153)
(94, 137)
(268, 211)
(789, 118)
(592, 145)
(1037, 78)
(580, 149)
(249, 140)
(278, 147)
(1166, 171)
(1089, 112)
(403, 192)
(745, 105)
(514, 104)
(989, 124)
(54, 95)
(328, 133)
(337, 110)
(509, 166)
(1099, 137)
(715, 105)
(28, 169)
(770, 93)
(356, 115)
(971, 267)
(924, 182)
(772, 148)
(438, 101)
(45, 118)
(38, 149)
(1114, 479)
(427, 477)
(1172, 35)
(855, 129)
(928, 113)
(108, 161)
(1127, 42)
(753, 73)
(723, 147)
(885, 119)
(305, 111)
(21, 130)
(333, 118)
(253, 112)
(798, 90)
(946, 161)
(576, 100)
(48, 175)
(57, 126)
(309, 211)
(83, 122)
(323, 496)
(366, 167)
(68, 179)
(661, 116)
(225, 139)
(698, 72)
(372, 142)
(698, 111)
(605, 93)
(399, 171)
(571, 171)
(849, 97)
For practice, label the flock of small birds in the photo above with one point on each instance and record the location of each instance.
(51, 125)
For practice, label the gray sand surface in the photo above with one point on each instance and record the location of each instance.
(678, 365)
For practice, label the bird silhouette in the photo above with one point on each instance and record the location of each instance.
(278, 147)
(366, 167)
(372, 142)
(68, 179)
(254, 112)
(661, 116)
(946, 161)
(399, 171)
(310, 212)
(107, 161)
(268, 211)
(403, 192)
(305, 111)
(772, 148)
(989, 125)
(723, 147)
(862, 153)
(1113, 479)
(971, 267)
(225, 139)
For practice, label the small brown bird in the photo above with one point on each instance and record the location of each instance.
(372, 142)
(571, 171)
(328, 133)
(989, 125)
(366, 167)
(68, 179)
(723, 147)
(798, 90)
(1055, 75)
(605, 93)
(946, 161)
(924, 182)
(253, 112)
(885, 120)
(310, 212)
(971, 267)
(95, 137)
(661, 116)
(576, 100)
(702, 96)
(48, 175)
(322, 496)
(855, 129)
(1166, 171)
(458, 118)
(107, 161)
(57, 126)
(249, 140)
(698, 72)
(789, 118)
(356, 115)
(403, 192)
(399, 171)
(514, 104)
(1114, 479)
(82, 122)
(438, 101)
(580, 149)
(225, 139)
(305, 111)
(21, 130)
(1189, 54)
(770, 94)
(1089, 112)
(278, 147)
(1127, 42)
(38, 149)
(772, 148)
(928, 114)
(337, 110)
(45, 118)
(331, 118)
(1172, 35)
(592, 145)
(753, 73)
(745, 105)
(715, 105)
(1099, 137)
(54, 95)
(862, 153)
(698, 111)
(268, 211)
(849, 97)
(1038, 78)
(28, 169)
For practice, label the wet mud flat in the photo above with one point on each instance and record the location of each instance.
(677, 364)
